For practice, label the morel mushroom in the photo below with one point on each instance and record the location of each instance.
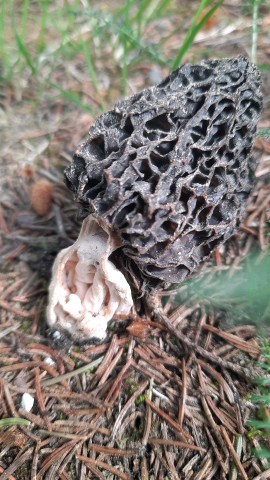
(165, 174)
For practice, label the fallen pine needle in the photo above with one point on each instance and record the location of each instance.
(175, 443)
(66, 376)
(112, 451)
(104, 465)
(233, 453)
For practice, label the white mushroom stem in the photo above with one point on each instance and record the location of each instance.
(86, 289)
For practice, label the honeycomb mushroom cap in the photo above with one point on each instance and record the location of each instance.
(169, 169)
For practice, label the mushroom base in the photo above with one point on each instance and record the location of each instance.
(87, 290)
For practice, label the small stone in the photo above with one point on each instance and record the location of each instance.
(49, 361)
(27, 402)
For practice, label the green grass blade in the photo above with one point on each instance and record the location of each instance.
(10, 422)
(44, 7)
(264, 133)
(114, 26)
(89, 63)
(73, 98)
(138, 18)
(255, 13)
(139, 45)
(162, 8)
(142, 8)
(124, 67)
(24, 53)
(3, 14)
(263, 453)
(148, 13)
(264, 67)
(194, 29)
(24, 19)
(124, 41)
(260, 424)
(262, 399)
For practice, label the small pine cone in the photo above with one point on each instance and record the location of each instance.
(41, 197)
(169, 170)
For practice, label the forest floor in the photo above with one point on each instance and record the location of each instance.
(144, 404)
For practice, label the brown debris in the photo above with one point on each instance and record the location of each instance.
(41, 197)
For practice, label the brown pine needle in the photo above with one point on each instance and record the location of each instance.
(115, 452)
(17, 311)
(124, 410)
(183, 394)
(234, 340)
(104, 465)
(233, 453)
(169, 420)
(175, 443)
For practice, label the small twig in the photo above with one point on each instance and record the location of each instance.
(10, 402)
(34, 419)
(3, 223)
(106, 362)
(221, 416)
(48, 351)
(127, 423)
